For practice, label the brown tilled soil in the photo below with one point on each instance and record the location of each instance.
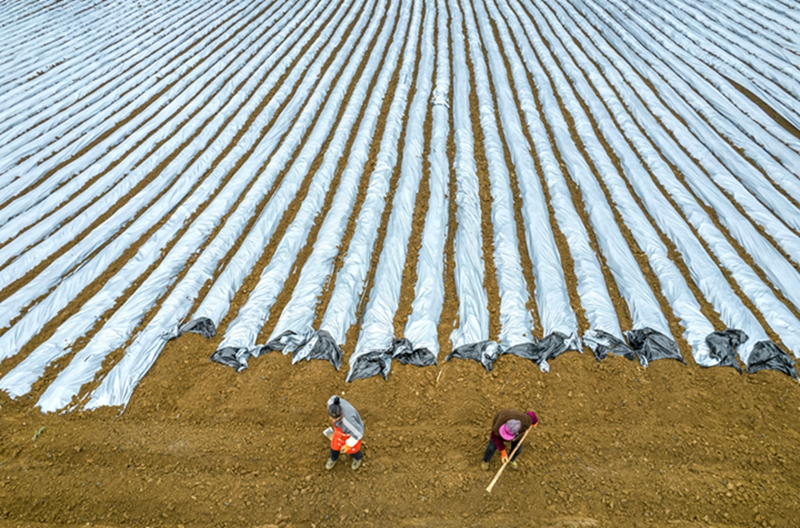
(617, 446)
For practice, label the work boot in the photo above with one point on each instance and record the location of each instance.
(513, 465)
(356, 463)
(485, 466)
(329, 464)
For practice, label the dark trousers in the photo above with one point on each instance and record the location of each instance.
(356, 456)
(491, 448)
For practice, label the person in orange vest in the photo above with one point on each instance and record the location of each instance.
(345, 433)
(508, 426)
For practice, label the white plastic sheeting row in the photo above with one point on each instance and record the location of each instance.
(422, 325)
(186, 123)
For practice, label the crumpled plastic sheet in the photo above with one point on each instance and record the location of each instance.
(726, 162)
(74, 283)
(763, 83)
(76, 255)
(473, 315)
(377, 321)
(733, 312)
(300, 311)
(484, 352)
(650, 345)
(644, 308)
(602, 344)
(723, 345)
(766, 355)
(66, 113)
(426, 308)
(550, 347)
(245, 327)
(157, 120)
(515, 318)
(233, 357)
(346, 296)
(254, 312)
(118, 386)
(750, 61)
(595, 300)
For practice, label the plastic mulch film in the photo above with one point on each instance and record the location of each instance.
(650, 345)
(299, 313)
(672, 283)
(377, 321)
(122, 323)
(117, 387)
(350, 280)
(515, 319)
(766, 355)
(473, 314)
(643, 306)
(103, 300)
(277, 147)
(731, 309)
(592, 289)
(243, 330)
(426, 308)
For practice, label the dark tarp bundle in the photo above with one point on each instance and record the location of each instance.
(203, 326)
(380, 361)
(722, 346)
(767, 355)
(320, 346)
(233, 357)
(484, 352)
(539, 352)
(420, 357)
(649, 345)
(602, 344)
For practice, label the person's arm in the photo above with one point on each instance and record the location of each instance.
(498, 442)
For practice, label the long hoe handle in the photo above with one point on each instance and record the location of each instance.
(500, 471)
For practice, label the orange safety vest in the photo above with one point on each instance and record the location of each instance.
(339, 440)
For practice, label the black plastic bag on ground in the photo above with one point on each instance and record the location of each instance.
(233, 357)
(767, 355)
(541, 351)
(370, 364)
(484, 352)
(203, 326)
(651, 345)
(722, 347)
(602, 344)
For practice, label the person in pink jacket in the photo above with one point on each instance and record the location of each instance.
(508, 426)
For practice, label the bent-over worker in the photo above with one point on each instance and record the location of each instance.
(508, 426)
(346, 432)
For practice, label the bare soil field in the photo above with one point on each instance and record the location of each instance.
(617, 445)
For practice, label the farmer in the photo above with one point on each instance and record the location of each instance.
(346, 432)
(508, 426)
